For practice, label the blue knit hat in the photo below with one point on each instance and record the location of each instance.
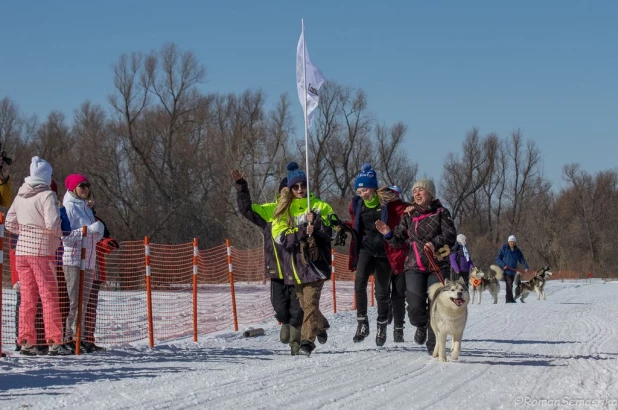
(295, 175)
(366, 178)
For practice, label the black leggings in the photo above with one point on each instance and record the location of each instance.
(381, 269)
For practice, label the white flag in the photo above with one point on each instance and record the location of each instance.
(312, 83)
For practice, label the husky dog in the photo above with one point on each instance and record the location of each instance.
(448, 315)
(481, 281)
(522, 288)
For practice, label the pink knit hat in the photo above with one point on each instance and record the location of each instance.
(73, 180)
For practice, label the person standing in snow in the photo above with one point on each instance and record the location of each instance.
(79, 214)
(105, 246)
(282, 290)
(508, 257)
(428, 225)
(35, 218)
(461, 261)
(373, 255)
(305, 236)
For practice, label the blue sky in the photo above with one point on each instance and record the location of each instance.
(546, 67)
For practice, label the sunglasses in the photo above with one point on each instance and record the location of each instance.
(299, 186)
(84, 185)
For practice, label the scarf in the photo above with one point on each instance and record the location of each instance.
(375, 201)
(464, 248)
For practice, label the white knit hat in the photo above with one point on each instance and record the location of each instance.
(40, 172)
(461, 238)
(512, 239)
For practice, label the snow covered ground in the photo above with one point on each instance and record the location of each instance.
(559, 353)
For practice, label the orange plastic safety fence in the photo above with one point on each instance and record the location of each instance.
(121, 315)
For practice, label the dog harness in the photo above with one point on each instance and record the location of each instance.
(475, 282)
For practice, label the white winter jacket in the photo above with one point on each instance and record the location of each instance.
(34, 216)
(79, 214)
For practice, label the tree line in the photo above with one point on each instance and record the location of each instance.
(160, 152)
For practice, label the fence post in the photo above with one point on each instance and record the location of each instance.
(80, 297)
(332, 279)
(195, 253)
(233, 292)
(373, 278)
(149, 292)
(1, 273)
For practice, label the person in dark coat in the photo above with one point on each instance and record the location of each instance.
(373, 255)
(282, 291)
(508, 257)
(305, 235)
(427, 225)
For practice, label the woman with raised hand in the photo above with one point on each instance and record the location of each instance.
(305, 236)
(430, 226)
(373, 255)
(282, 291)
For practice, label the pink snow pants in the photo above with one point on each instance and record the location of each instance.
(37, 279)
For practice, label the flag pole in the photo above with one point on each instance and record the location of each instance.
(305, 113)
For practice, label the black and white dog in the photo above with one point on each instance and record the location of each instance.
(537, 283)
(481, 281)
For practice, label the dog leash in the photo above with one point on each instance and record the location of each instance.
(432, 264)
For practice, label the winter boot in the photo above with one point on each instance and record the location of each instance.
(306, 347)
(362, 330)
(398, 334)
(59, 350)
(29, 350)
(421, 335)
(322, 337)
(90, 347)
(284, 333)
(294, 339)
(381, 334)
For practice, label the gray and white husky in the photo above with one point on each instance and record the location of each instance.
(448, 315)
(522, 288)
(481, 281)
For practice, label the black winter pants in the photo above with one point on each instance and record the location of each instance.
(417, 284)
(286, 304)
(381, 268)
(398, 298)
(508, 279)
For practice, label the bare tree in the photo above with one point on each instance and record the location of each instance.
(525, 164)
(393, 162)
(464, 178)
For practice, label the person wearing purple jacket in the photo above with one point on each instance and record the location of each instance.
(461, 261)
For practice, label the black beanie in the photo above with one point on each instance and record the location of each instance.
(283, 184)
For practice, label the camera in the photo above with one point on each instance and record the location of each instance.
(6, 159)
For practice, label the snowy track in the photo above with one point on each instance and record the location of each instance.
(561, 349)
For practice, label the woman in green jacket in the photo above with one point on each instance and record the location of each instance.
(306, 239)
